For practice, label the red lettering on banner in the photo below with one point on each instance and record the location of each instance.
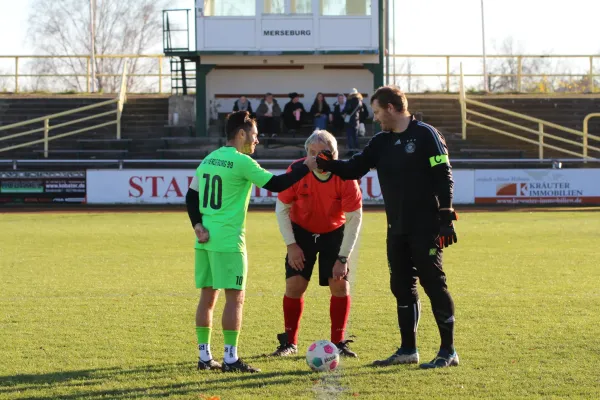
(173, 187)
(370, 188)
(136, 186)
(256, 191)
(154, 180)
(135, 182)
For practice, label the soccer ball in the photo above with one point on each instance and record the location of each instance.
(322, 355)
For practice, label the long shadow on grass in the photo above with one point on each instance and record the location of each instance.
(81, 382)
(85, 377)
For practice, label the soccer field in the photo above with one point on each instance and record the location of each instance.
(101, 305)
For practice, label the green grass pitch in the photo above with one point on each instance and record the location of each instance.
(101, 306)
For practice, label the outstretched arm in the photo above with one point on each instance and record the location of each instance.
(354, 168)
(278, 183)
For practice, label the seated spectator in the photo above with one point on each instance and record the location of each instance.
(336, 118)
(293, 113)
(351, 113)
(242, 104)
(320, 111)
(268, 114)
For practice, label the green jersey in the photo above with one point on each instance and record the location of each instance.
(224, 180)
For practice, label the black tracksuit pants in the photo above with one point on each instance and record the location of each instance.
(419, 256)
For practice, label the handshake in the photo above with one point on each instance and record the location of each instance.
(320, 161)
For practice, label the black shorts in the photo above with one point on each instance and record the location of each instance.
(326, 245)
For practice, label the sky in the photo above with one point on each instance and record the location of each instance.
(429, 26)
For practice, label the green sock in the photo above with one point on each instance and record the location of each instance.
(203, 334)
(230, 338)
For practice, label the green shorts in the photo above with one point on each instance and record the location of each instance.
(221, 270)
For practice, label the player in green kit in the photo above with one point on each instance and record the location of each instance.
(217, 203)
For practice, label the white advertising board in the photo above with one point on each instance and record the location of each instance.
(537, 186)
(147, 186)
(169, 186)
(464, 189)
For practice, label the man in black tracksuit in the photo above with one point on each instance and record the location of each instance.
(416, 182)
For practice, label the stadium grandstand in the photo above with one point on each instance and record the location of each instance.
(211, 68)
(125, 260)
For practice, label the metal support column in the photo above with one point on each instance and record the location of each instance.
(202, 71)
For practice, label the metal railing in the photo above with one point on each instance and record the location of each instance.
(174, 29)
(525, 73)
(193, 163)
(521, 73)
(119, 101)
(540, 132)
(85, 72)
(586, 134)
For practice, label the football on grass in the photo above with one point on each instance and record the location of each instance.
(322, 355)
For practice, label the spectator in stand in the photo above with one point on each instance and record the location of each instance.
(268, 114)
(243, 104)
(320, 111)
(293, 112)
(352, 119)
(336, 118)
(364, 115)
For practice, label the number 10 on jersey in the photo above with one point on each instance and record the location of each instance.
(213, 190)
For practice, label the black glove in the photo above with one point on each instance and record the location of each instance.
(323, 159)
(447, 234)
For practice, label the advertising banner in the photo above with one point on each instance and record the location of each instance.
(169, 186)
(30, 187)
(537, 186)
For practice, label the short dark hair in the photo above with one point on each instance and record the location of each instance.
(238, 120)
(390, 94)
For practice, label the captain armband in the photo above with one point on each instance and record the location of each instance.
(439, 159)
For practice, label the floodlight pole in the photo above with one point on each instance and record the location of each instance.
(485, 76)
(92, 35)
(394, 41)
(387, 42)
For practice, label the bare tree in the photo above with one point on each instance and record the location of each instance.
(407, 65)
(62, 27)
(506, 69)
(4, 81)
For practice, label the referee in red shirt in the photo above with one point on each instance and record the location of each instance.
(319, 215)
